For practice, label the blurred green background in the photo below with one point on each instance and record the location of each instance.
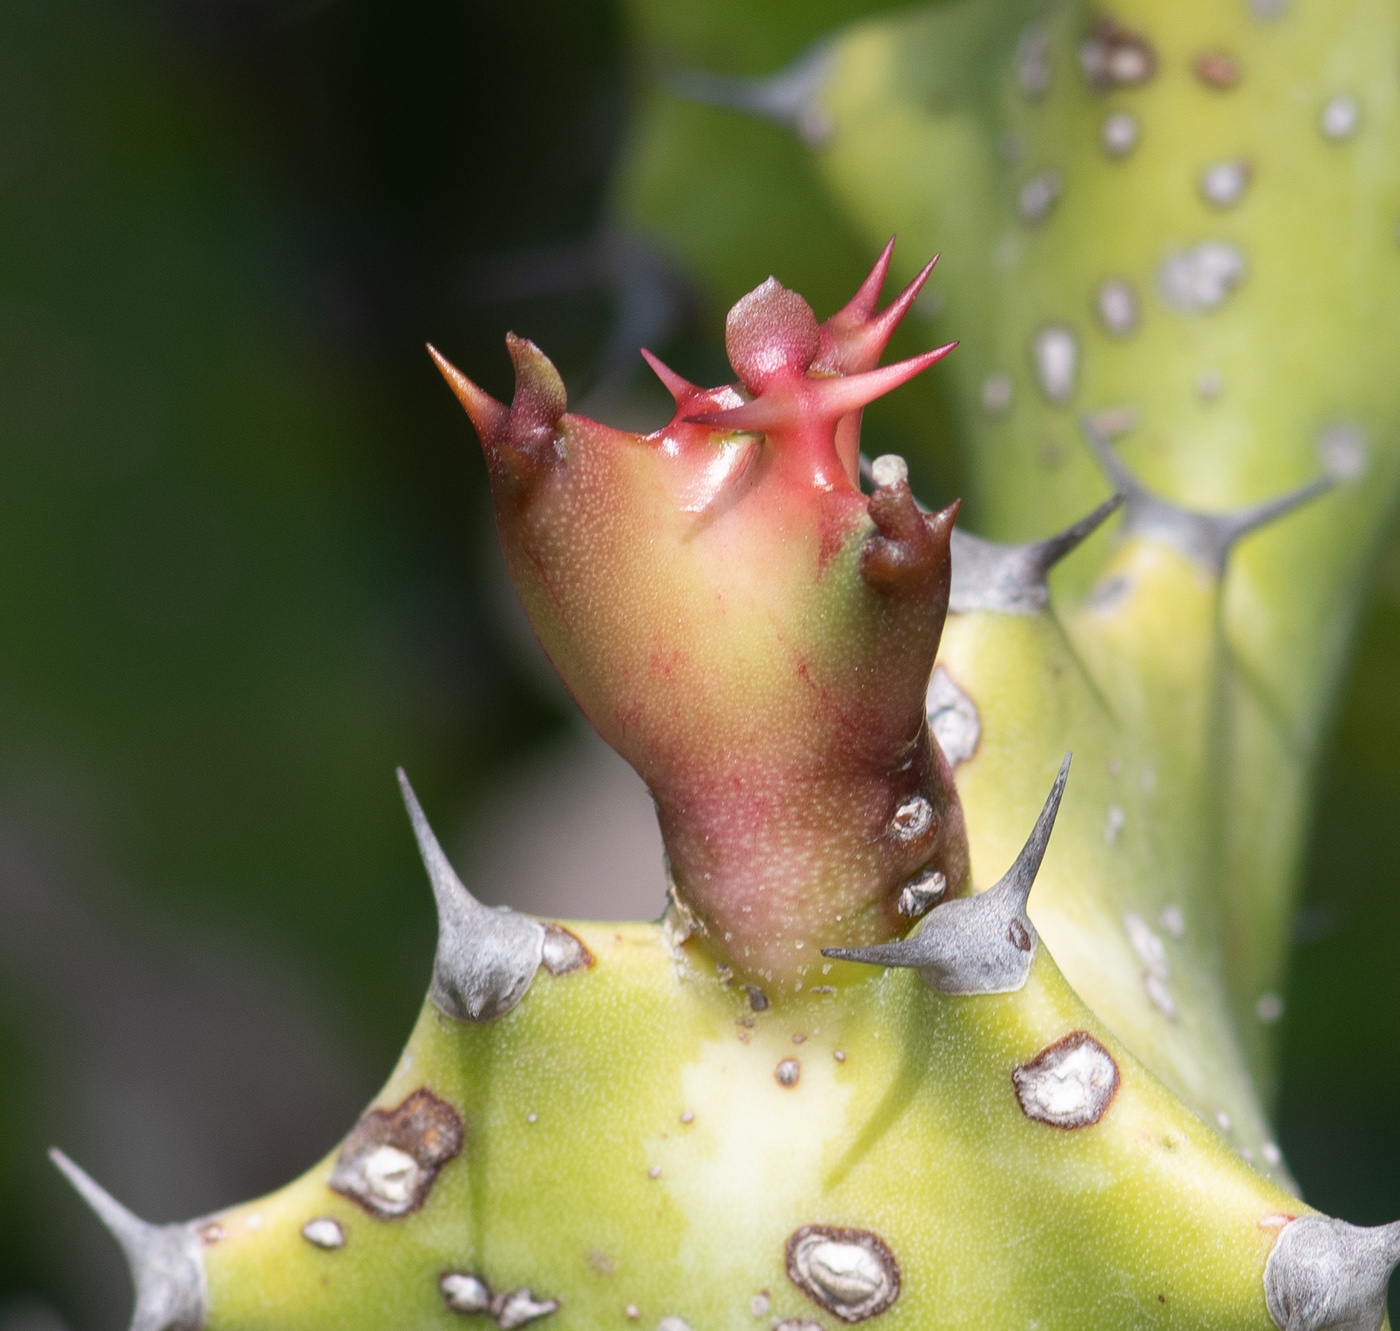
(247, 567)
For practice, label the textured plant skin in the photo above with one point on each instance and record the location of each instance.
(744, 626)
(648, 1133)
(609, 1059)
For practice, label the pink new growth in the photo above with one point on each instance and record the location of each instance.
(744, 626)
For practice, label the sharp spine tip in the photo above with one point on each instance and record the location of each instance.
(165, 1261)
(488, 416)
(1205, 538)
(485, 958)
(983, 944)
(788, 97)
(1014, 579)
(682, 390)
(864, 303)
(891, 316)
(1027, 865)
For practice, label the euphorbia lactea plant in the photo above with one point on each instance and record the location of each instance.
(844, 1078)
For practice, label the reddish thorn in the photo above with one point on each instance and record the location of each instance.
(853, 341)
(862, 305)
(680, 389)
(852, 391)
(488, 415)
(821, 398)
(757, 417)
(941, 523)
(893, 314)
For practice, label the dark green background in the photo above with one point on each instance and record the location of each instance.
(244, 572)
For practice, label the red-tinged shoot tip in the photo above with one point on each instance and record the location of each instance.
(855, 337)
(522, 439)
(751, 632)
(488, 415)
(681, 389)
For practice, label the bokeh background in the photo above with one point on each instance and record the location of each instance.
(247, 568)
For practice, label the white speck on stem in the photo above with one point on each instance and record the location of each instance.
(911, 820)
(1159, 995)
(1039, 195)
(391, 1174)
(1173, 921)
(1269, 1008)
(1117, 306)
(851, 1273)
(1198, 279)
(464, 1292)
(323, 1232)
(1033, 60)
(1223, 184)
(921, 893)
(1055, 354)
(1113, 824)
(1343, 452)
(522, 1307)
(1119, 133)
(1340, 118)
(997, 390)
(1147, 945)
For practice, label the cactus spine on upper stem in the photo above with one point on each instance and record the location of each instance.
(932, 1028)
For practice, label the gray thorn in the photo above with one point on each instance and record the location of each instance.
(1206, 538)
(167, 1269)
(983, 944)
(1013, 579)
(485, 958)
(788, 98)
(1325, 1273)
